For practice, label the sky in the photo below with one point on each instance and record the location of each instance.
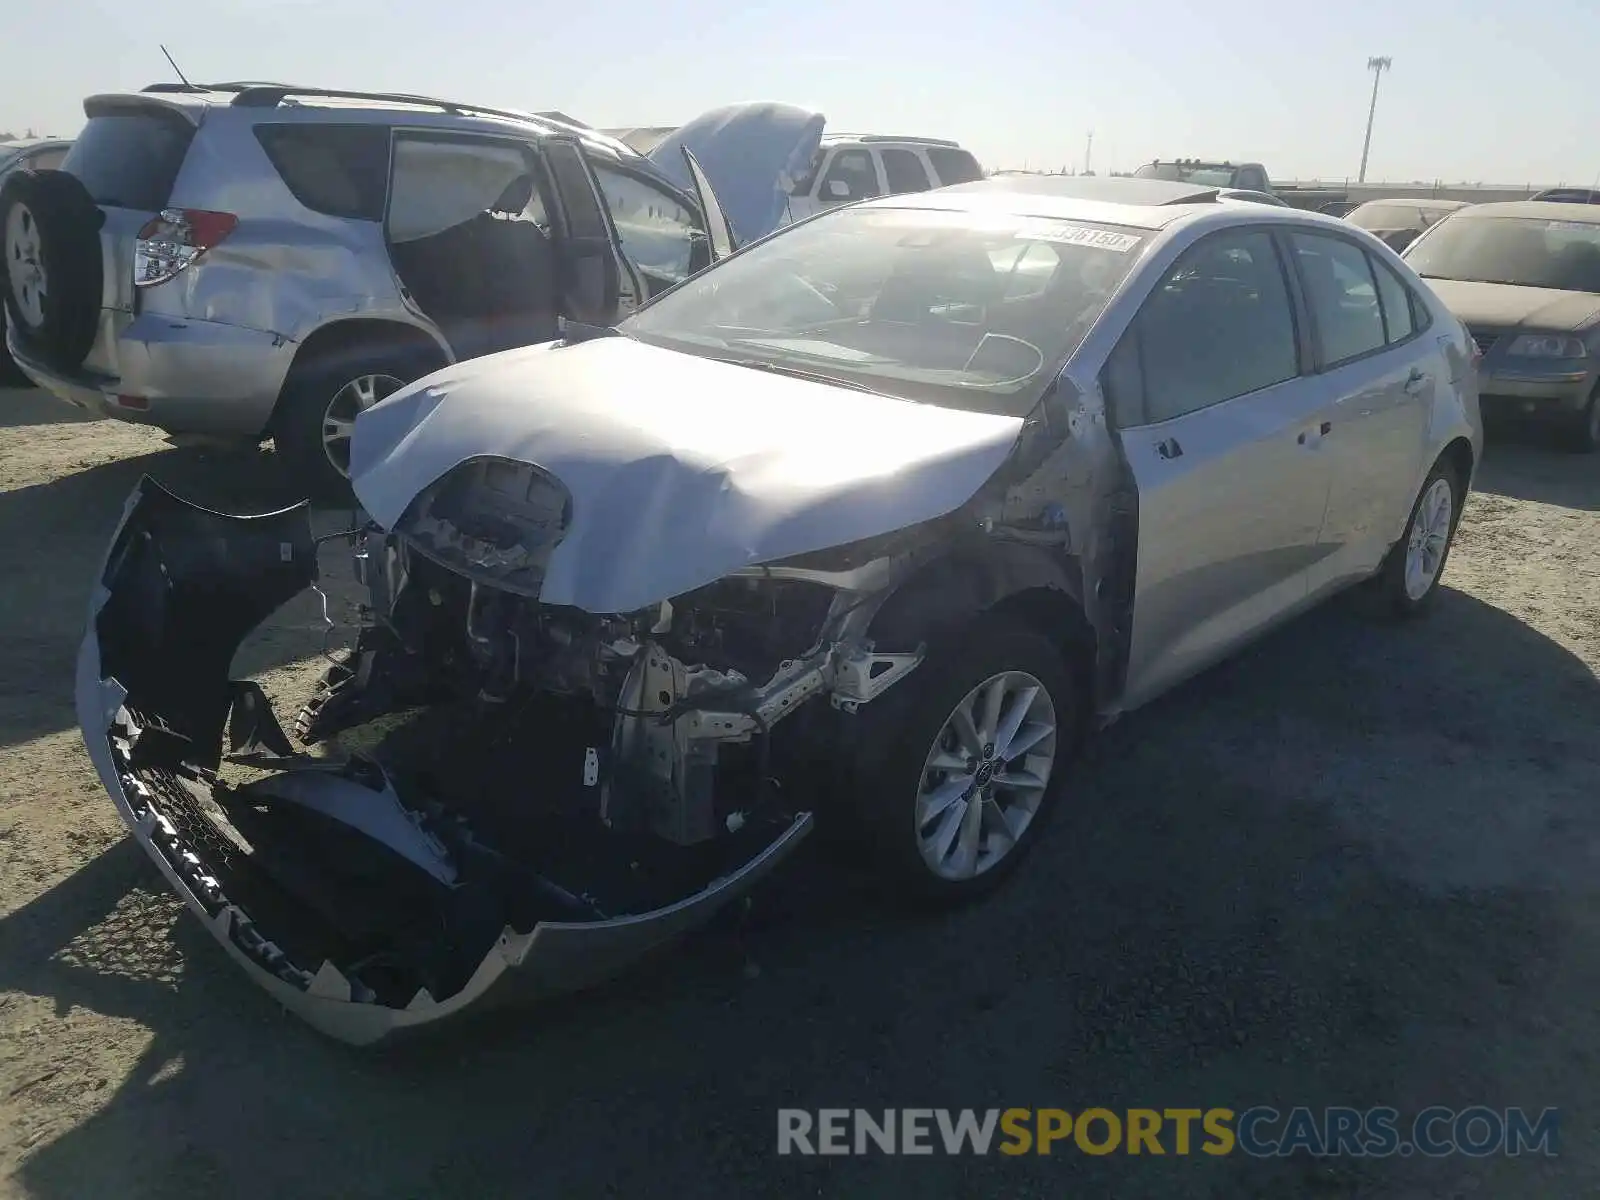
(1480, 90)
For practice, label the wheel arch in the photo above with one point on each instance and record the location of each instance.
(1459, 454)
(360, 336)
(1041, 586)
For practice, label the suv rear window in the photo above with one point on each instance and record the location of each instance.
(130, 159)
(340, 170)
(954, 166)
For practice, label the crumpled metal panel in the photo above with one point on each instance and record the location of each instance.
(681, 469)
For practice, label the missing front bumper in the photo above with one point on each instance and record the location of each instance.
(365, 913)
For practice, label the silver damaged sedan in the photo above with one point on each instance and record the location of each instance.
(872, 522)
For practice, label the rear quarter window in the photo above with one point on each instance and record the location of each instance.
(340, 170)
(130, 159)
(954, 166)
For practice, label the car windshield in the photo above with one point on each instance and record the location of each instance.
(1199, 174)
(1532, 253)
(965, 310)
(1387, 216)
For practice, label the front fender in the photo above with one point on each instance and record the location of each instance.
(947, 592)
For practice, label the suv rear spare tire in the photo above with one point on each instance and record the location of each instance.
(50, 238)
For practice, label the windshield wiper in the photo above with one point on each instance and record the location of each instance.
(761, 364)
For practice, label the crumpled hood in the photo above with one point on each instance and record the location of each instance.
(1507, 306)
(681, 469)
(751, 153)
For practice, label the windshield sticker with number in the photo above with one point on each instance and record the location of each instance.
(1078, 235)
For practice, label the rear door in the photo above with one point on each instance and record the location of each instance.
(127, 156)
(1206, 388)
(1377, 373)
(602, 287)
(903, 171)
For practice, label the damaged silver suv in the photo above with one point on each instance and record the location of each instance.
(874, 519)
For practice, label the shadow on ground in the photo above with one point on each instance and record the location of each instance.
(1525, 464)
(1259, 892)
(21, 407)
(44, 596)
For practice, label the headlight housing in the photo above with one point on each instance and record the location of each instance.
(1547, 345)
(492, 520)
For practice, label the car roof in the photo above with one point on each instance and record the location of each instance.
(263, 98)
(1535, 210)
(1415, 202)
(1114, 200)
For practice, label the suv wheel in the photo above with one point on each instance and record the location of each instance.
(317, 412)
(50, 257)
(957, 778)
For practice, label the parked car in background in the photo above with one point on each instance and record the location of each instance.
(850, 167)
(1524, 277)
(1253, 197)
(866, 514)
(254, 260)
(1568, 195)
(1251, 177)
(31, 154)
(1401, 220)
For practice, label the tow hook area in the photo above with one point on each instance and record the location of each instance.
(349, 893)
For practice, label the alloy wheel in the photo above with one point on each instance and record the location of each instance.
(985, 775)
(1430, 535)
(349, 402)
(25, 266)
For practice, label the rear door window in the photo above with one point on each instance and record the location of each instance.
(340, 170)
(130, 159)
(1398, 304)
(1342, 294)
(904, 171)
(954, 165)
(850, 175)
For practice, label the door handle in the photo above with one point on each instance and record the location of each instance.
(1169, 448)
(1414, 381)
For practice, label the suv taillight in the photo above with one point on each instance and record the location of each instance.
(170, 242)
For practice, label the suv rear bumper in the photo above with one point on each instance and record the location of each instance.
(184, 377)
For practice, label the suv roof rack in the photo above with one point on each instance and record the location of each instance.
(889, 137)
(270, 95)
(264, 94)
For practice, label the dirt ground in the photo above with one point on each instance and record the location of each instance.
(1356, 865)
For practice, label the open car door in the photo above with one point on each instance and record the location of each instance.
(600, 287)
(718, 229)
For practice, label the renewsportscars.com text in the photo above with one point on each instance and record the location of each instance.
(1259, 1132)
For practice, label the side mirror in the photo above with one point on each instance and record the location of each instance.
(838, 189)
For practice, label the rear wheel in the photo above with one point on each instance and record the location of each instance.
(1409, 579)
(958, 775)
(316, 414)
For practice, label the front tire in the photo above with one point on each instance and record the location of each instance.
(1583, 436)
(1410, 576)
(959, 765)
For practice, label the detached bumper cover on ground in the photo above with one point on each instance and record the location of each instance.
(180, 590)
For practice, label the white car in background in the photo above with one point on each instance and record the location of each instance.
(852, 167)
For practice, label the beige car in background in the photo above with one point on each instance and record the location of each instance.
(1524, 278)
(1400, 221)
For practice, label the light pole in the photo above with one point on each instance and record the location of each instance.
(1377, 66)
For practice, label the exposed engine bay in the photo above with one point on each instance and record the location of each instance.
(550, 790)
